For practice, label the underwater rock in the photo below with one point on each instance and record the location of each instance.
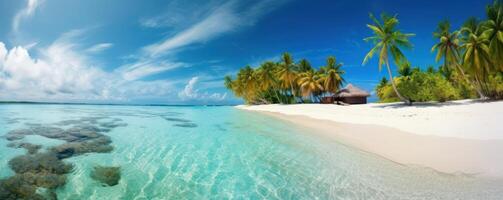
(106, 175)
(186, 125)
(31, 148)
(39, 163)
(24, 186)
(15, 188)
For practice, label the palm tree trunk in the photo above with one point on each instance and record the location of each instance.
(406, 101)
(277, 96)
(293, 92)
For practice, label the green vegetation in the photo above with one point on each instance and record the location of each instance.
(286, 81)
(472, 63)
(471, 67)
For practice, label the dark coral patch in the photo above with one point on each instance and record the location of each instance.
(186, 125)
(106, 175)
(39, 163)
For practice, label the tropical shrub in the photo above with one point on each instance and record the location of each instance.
(419, 86)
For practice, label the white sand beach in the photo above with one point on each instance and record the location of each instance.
(454, 137)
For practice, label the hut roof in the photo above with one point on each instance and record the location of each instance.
(352, 91)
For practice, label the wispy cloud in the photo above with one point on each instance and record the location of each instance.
(223, 19)
(99, 47)
(142, 69)
(220, 21)
(26, 12)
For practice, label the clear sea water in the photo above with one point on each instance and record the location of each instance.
(226, 153)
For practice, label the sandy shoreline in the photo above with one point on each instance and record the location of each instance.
(472, 143)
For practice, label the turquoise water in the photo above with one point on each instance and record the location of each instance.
(224, 153)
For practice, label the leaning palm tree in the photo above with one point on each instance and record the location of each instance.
(476, 57)
(332, 75)
(287, 73)
(309, 83)
(387, 42)
(494, 30)
(448, 49)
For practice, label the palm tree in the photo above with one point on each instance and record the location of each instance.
(448, 49)
(228, 82)
(309, 83)
(332, 75)
(287, 73)
(265, 75)
(494, 30)
(387, 40)
(476, 55)
(304, 66)
(247, 84)
(448, 45)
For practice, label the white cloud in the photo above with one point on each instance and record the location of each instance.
(99, 47)
(62, 73)
(139, 70)
(26, 12)
(190, 92)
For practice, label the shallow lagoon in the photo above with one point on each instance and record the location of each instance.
(177, 152)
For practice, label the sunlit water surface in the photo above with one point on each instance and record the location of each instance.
(224, 153)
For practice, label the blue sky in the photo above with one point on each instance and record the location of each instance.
(177, 52)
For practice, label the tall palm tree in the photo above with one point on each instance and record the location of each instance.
(267, 79)
(332, 75)
(309, 83)
(287, 73)
(476, 57)
(448, 49)
(387, 42)
(447, 46)
(494, 30)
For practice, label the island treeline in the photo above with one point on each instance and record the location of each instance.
(471, 59)
(286, 81)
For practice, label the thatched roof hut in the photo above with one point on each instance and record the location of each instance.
(352, 95)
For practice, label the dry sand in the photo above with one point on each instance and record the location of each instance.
(454, 137)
